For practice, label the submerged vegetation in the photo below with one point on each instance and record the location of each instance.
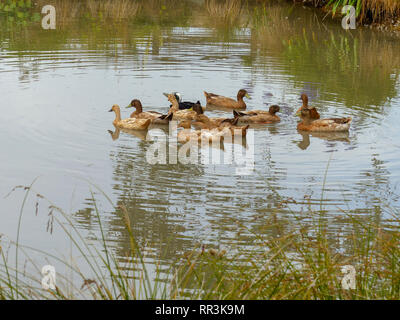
(301, 259)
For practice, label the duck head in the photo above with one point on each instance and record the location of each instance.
(243, 93)
(177, 95)
(172, 99)
(274, 109)
(303, 98)
(197, 107)
(135, 103)
(115, 108)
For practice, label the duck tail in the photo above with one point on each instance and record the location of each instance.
(238, 113)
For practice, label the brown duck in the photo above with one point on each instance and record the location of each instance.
(325, 125)
(154, 116)
(225, 102)
(258, 116)
(313, 112)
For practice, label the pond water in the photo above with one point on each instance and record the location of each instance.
(56, 87)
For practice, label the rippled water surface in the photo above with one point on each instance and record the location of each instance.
(57, 86)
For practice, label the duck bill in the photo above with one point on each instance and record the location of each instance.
(166, 94)
(111, 110)
(130, 106)
(247, 96)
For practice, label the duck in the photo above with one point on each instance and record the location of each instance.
(313, 111)
(186, 114)
(225, 102)
(322, 125)
(201, 121)
(154, 116)
(258, 116)
(187, 134)
(224, 125)
(129, 123)
(182, 104)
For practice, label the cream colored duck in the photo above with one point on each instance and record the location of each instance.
(205, 135)
(186, 114)
(258, 116)
(224, 125)
(129, 123)
(323, 125)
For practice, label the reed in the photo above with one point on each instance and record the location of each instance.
(106, 10)
(227, 11)
(111, 9)
(288, 259)
(368, 11)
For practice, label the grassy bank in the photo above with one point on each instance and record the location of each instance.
(222, 11)
(367, 11)
(295, 258)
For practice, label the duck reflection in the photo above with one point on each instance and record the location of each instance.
(327, 136)
(146, 135)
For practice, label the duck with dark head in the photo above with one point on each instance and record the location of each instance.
(154, 116)
(313, 111)
(225, 102)
(258, 116)
(322, 125)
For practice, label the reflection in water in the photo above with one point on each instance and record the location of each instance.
(55, 85)
(327, 136)
(141, 134)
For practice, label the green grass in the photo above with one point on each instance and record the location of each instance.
(367, 11)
